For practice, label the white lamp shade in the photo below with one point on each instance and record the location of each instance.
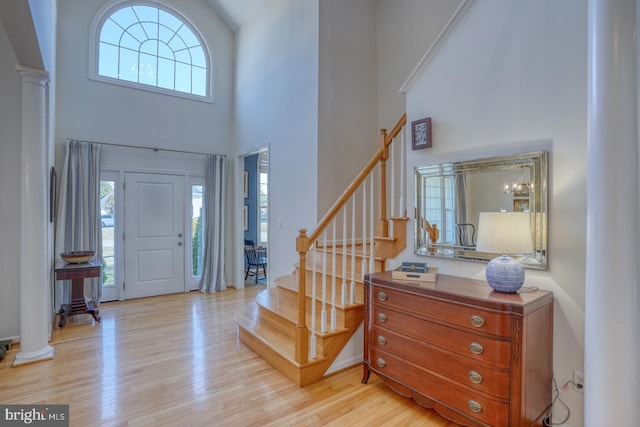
(505, 233)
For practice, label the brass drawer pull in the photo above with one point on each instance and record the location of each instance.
(382, 317)
(475, 377)
(476, 348)
(381, 363)
(382, 340)
(474, 406)
(382, 296)
(476, 321)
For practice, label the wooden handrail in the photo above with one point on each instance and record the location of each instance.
(326, 219)
(396, 130)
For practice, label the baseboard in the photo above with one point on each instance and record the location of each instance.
(344, 364)
(14, 339)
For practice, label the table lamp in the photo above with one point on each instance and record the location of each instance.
(506, 233)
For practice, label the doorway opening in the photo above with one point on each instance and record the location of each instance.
(256, 207)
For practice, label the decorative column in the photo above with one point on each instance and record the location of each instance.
(34, 278)
(612, 357)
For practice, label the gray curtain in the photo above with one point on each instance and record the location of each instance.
(78, 227)
(213, 275)
(461, 199)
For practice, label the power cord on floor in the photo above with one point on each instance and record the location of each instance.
(546, 420)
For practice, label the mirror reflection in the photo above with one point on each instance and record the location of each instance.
(451, 196)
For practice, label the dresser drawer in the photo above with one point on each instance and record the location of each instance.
(494, 412)
(477, 348)
(472, 318)
(457, 368)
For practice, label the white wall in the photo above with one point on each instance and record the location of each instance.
(10, 158)
(499, 85)
(405, 29)
(98, 111)
(276, 103)
(347, 107)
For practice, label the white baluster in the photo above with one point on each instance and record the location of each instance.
(323, 313)
(312, 345)
(343, 293)
(333, 278)
(392, 178)
(371, 223)
(352, 294)
(402, 211)
(364, 227)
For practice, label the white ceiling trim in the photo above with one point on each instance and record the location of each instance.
(446, 30)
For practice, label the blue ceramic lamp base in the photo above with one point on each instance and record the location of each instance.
(505, 274)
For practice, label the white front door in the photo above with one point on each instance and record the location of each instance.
(153, 234)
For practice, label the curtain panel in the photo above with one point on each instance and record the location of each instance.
(78, 227)
(213, 274)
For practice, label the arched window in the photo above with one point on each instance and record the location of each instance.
(149, 46)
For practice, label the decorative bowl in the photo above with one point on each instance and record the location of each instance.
(77, 257)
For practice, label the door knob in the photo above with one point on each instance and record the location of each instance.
(179, 243)
(179, 234)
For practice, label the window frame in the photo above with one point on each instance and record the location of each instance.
(105, 13)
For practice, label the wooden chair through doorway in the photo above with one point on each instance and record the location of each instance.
(256, 259)
(466, 235)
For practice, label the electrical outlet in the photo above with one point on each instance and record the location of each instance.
(578, 381)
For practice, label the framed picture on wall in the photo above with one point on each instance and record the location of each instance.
(421, 134)
(521, 205)
(246, 217)
(53, 179)
(246, 184)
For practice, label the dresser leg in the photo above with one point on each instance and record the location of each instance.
(365, 373)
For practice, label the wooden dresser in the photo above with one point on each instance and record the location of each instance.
(478, 357)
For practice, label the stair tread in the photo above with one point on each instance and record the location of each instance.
(270, 299)
(246, 318)
(290, 282)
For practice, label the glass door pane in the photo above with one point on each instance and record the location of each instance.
(197, 246)
(108, 221)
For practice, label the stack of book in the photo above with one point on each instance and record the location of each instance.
(415, 271)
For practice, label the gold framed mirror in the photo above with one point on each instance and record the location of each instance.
(450, 196)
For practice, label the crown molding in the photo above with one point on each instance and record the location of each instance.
(446, 30)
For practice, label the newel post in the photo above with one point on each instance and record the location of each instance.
(302, 332)
(383, 223)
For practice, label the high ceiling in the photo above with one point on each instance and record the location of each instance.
(235, 12)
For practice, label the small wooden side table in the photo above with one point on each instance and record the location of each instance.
(77, 273)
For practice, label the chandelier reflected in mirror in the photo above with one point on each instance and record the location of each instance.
(519, 187)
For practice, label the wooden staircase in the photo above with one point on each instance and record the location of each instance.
(302, 333)
(268, 326)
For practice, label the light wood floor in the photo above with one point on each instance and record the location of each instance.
(176, 361)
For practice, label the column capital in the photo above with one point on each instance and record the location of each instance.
(33, 75)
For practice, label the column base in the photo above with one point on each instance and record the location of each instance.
(23, 358)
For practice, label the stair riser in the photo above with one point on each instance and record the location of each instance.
(271, 319)
(288, 296)
(282, 364)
